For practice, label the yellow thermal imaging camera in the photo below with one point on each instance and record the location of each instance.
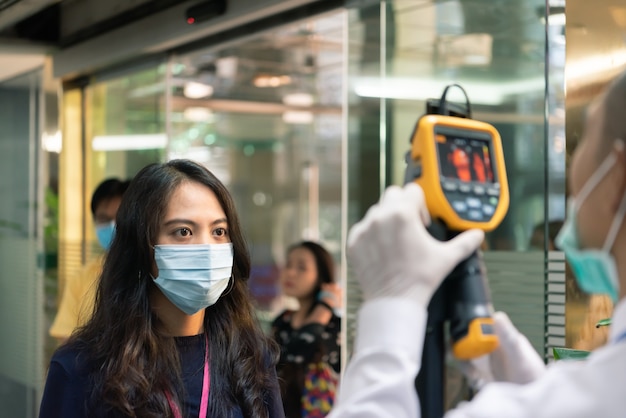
(459, 163)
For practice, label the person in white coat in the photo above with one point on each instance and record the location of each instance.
(399, 266)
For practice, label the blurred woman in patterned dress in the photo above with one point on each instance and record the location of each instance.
(309, 337)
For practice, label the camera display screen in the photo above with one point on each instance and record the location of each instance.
(464, 159)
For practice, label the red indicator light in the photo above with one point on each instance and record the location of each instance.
(191, 20)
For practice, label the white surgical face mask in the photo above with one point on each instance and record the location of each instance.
(595, 269)
(193, 277)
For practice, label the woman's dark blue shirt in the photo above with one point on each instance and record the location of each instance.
(68, 385)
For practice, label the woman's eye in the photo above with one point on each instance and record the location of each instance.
(184, 232)
(221, 232)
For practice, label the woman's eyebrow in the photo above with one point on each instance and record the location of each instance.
(193, 223)
(180, 221)
(220, 221)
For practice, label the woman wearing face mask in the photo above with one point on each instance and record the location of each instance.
(173, 332)
(308, 336)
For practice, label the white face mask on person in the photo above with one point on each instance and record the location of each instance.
(595, 269)
(193, 277)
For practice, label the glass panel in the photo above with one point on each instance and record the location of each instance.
(265, 116)
(112, 128)
(125, 129)
(126, 121)
(402, 53)
(21, 245)
(496, 51)
(368, 124)
(555, 181)
(51, 142)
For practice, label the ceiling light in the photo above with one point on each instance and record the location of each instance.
(194, 90)
(298, 117)
(298, 99)
(52, 143)
(592, 66)
(226, 67)
(198, 114)
(557, 19)
(472, 49)
(128, 142)
(488, 93)
(266, 80)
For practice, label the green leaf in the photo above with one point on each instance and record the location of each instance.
(603, 323)
(561, 353)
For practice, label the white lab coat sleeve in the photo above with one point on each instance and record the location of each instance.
(379, 379)
(568, 389)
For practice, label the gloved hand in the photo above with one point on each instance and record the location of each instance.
(392, 253)
(515, 360)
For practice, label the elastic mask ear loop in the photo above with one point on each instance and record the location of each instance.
(615, 226)
(621, 210)
(231, 285)
(595, 178)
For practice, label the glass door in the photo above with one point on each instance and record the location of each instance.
(265, 115)
(21, 247)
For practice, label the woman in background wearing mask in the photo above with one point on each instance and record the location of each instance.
(308, 336)
(173, 332)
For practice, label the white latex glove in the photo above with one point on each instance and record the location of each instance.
(515, 360)
(392, 253)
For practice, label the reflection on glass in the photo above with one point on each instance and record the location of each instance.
(125, 131)
(497, 52)
(265, 116)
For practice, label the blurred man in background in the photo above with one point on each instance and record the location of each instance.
(79, 290)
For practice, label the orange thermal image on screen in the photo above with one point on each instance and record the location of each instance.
(460, 161)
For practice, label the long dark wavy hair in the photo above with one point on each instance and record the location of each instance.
(133, 364)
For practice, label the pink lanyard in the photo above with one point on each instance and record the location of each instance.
(206, 383)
